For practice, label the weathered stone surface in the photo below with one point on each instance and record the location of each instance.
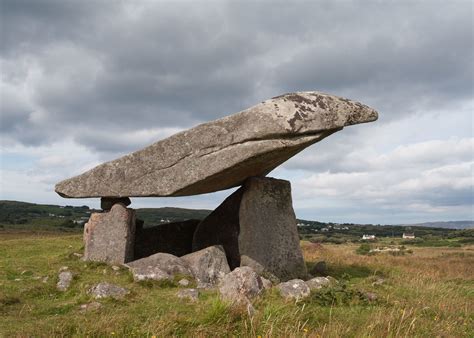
(267, 284)
(183, 282)
(256, 225)
(223, 153)
(64, 280)
(294, 289)
(107, 203)
(174, 238)
(240, 285)
(318, 282)
(189, 294)
(109, 236)
(105, 290)
(208, 265)
(159, 266)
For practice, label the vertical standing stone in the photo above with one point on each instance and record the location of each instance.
(256, 225)
(109, 236)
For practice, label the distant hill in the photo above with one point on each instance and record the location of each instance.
(445, 225)
(14, 214)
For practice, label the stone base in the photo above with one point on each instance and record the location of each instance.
(256, 225)
(173, 238)
(109, 236)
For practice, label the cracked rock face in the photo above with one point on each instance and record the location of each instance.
(221, 154)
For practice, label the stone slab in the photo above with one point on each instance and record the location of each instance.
(256, 225)
(223, 153)
(109, 236)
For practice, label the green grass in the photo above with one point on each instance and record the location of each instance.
(429, 293)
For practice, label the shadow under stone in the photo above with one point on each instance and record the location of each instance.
(173, 238)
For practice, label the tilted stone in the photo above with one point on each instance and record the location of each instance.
(256, 225)
(221, 154)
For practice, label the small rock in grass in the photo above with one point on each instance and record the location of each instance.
(63, 268)
(77, 254)
(104, 290)
(190, 294)
(241, 285)
(90, 306)
(371, 296)
(65, 279)
(183, 282)
(319, 269)
(45, 279)
(115, 268)
(294, 289)
(318, 282)
(379, 281)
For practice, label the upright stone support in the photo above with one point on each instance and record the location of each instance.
(256, 225)
(110, 236)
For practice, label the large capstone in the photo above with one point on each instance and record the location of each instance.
(109, 236)
(256, 225)
(223, 153)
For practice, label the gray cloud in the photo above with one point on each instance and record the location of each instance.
(135, 65)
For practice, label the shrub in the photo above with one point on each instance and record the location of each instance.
(364, 249)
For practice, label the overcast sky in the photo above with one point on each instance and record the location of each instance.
(87, 81)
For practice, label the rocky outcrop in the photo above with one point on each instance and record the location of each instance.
(109, 236)
(208, 265)
(256, 225)
(223, 153)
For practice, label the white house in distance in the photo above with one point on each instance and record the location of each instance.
(408, 235)
(368, 237)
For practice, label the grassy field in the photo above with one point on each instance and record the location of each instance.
(427, 293)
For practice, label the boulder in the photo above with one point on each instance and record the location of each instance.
(294, 289)
(159, 266)
(106, 203)
(267, 284)
(109, 236)
(319, 269)
(240, 285)
(208, 265)
(175, 238)
(189, 294)
(223, 153)
(65, 279)
(318, 282)
(106, 290)
(256, 225)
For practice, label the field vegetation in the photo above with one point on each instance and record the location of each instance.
(429, 292)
